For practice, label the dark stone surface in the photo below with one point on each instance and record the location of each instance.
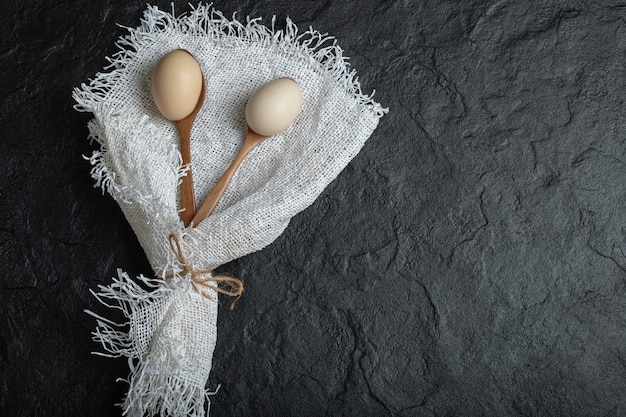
(470, 261)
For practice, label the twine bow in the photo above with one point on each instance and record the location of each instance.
(203, 277)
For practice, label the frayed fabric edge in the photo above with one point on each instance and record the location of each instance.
(128, 296)
(106, 179)
(321, 50)
(164, 395)
(149, 392)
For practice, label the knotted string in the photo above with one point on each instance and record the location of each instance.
(203, 277)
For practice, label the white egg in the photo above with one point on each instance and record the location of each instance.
(274, 106)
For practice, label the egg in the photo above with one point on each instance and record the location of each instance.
(176, 84)
(274, 106)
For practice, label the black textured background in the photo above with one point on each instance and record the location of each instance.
(470, 261)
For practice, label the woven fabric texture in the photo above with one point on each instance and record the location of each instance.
(171, 327)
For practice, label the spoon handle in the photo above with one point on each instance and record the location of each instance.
(187, 199)
(252, 139)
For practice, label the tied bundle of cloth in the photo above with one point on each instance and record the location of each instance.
(171, 319)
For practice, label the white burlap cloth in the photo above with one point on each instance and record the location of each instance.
(170, 334)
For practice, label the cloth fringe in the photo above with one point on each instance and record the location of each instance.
(320, 50)
(164, 394)
(106, 179)
(150, 391)
(128, 296)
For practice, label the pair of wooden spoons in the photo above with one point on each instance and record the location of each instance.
(178, 89)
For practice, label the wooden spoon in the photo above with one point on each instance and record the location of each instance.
(178, 89)
(250, 142)
(187, 197)
(270, 110)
